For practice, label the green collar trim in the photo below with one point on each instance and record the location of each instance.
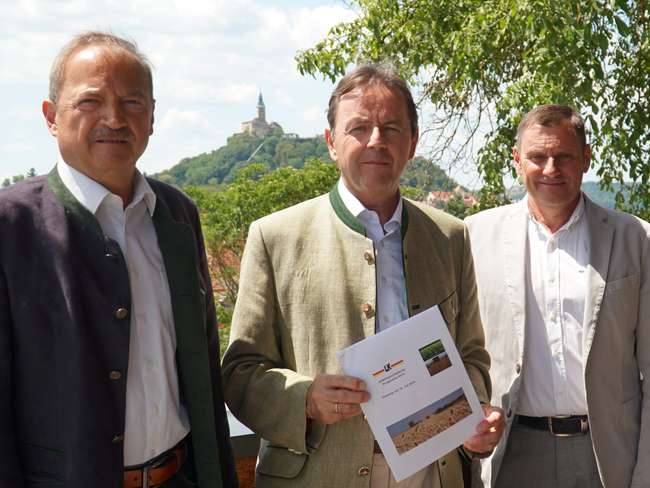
(343, 213)
(354, 223)
(71, 204)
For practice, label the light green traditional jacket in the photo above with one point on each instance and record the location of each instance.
(306, 276)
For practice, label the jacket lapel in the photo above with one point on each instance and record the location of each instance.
(602, 233)
(177, 246)
(514, 259)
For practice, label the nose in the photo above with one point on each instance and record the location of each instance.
(550, 167)
(376, 137)
(113, 115)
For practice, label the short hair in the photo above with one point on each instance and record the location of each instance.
(552, 115)
(92, 38)
(372, 74)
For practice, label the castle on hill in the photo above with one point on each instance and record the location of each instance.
(259, 127)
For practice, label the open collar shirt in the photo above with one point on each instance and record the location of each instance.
(556, 285)
(391, 306)
(155, 418)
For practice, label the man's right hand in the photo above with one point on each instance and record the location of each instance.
(332, 398)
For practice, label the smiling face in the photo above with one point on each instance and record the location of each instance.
(104, 115)
(371, 142)
(551, 160)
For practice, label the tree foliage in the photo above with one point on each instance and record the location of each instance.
(227, 214)
(223, 164)
(483, 63)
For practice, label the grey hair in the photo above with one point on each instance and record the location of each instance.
(551, 115)
(93, 38)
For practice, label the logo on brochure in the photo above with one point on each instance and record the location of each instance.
(388, 367)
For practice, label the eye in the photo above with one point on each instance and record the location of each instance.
(87, 104)
(134, 104)
(357, 129)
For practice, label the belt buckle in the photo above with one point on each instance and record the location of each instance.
(584, 426)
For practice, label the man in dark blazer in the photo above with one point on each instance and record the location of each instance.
(109, 355)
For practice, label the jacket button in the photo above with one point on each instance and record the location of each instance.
(367, 309)
(518, 368)
(117, 439)
(115, 375)
(369, 257)
(121, 313)
(509, 414)
(364, 471)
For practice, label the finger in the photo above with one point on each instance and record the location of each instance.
(347, 396)
(342, 381)
(347, 409)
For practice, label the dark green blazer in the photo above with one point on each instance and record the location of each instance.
(62, 414)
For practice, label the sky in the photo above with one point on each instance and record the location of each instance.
(211, 59)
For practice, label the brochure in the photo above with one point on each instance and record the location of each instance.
(422, 404)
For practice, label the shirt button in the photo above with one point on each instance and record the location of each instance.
(369, 256)
(518, 368)
(121, 313)
(367, 309)
(364, 471)
(115, 375)
(117, 439)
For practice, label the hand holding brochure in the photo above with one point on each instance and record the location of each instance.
(422, 403)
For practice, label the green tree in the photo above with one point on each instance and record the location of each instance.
(17, 178)
(227, 214)
(483, 63)
(6, 182)
(31, 173)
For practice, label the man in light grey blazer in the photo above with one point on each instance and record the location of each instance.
(331, 271)
(565, 302)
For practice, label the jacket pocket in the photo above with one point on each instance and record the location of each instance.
(280, 462)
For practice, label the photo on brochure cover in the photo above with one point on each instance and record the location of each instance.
(435, 357)
(433, 419)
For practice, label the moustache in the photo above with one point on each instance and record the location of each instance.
(106, 133)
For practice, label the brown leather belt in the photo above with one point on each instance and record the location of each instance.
(560, 426)
(157, 471)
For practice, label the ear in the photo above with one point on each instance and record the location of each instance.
(329, 139)
(153, 109)
(586, 153)
(516, 158)
(49, 112)
(414, 143)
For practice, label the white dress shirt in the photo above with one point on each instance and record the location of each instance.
(556, 284)
(155, 418)
(387, 242)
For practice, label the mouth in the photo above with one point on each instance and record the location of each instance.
(377, 163)
(111, 141)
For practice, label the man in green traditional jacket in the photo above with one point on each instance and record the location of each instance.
(331, 271)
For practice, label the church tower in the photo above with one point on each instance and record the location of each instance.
(261, 109)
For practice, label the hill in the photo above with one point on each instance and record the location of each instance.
(277, 150)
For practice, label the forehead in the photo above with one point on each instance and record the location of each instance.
(375, 100)
(98, 65)
(557, 135)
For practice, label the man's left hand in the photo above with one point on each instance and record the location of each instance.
(488, 431)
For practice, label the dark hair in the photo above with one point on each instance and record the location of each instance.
(551, 115)
(372, 74)
(92, 38)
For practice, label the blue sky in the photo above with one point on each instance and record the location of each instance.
(211, 59)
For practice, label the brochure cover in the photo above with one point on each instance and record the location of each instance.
(422, 404)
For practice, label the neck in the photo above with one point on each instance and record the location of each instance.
(553, 218)
(384, 209)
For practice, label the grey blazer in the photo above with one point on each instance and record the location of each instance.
(616, 332)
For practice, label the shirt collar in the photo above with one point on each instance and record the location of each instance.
(574, 219)
(91, 194)
(356, 208)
